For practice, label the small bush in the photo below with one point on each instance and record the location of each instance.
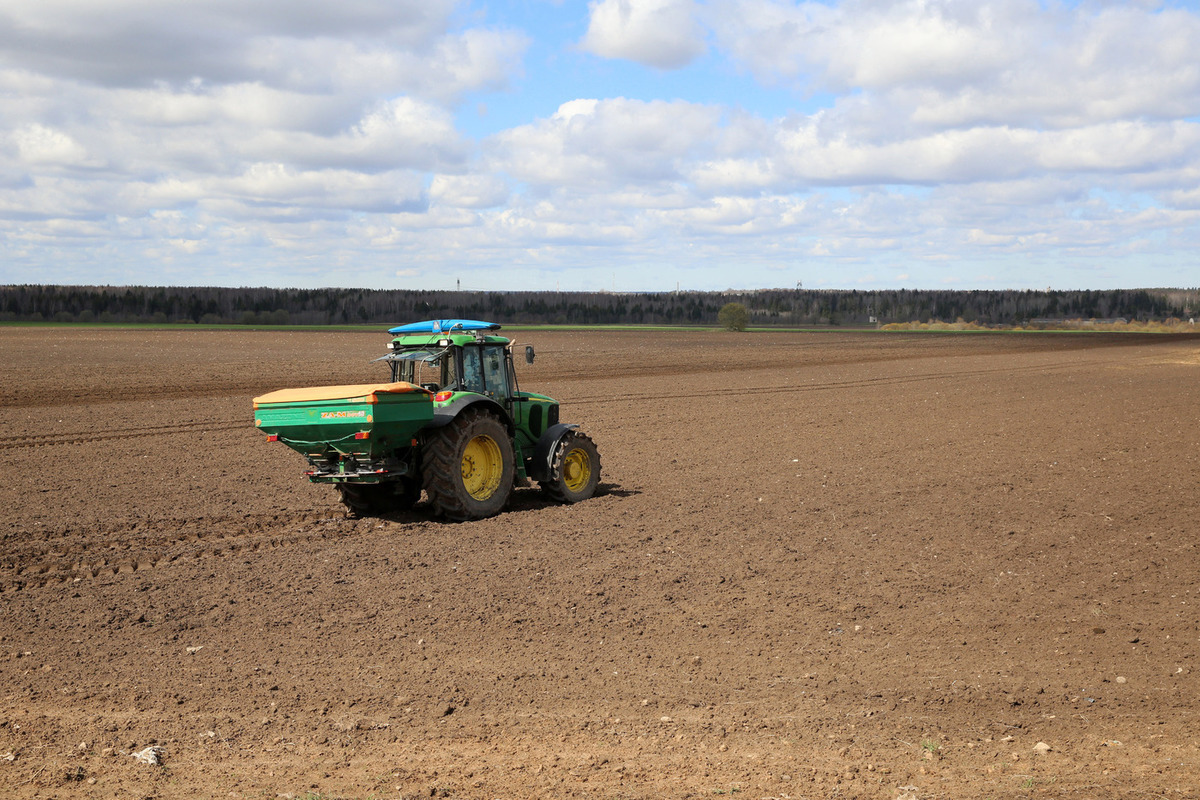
(733, 317)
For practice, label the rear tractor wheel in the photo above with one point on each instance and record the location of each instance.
(468, 466)
(574, 470)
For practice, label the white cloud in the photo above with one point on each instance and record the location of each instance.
(740, 216)
(469, 191)
(253, 105)
(966, 62)
(129, 42)
(870, 44)
(608, 143)
(276, 184)
(38, 144)
(399, 133)
(662, 33)
(442, 69)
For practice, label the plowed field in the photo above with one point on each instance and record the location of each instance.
(820, 566)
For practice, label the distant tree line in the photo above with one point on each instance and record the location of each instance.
(766, 307)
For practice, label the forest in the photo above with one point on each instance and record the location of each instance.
(766, 307)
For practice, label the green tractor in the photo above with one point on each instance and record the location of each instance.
(451, 422)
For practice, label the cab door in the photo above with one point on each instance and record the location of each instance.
(495, 374)
(527, 416)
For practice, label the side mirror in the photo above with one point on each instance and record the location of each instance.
(529, 354)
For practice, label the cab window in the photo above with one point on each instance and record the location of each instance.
(495, 374)
(472, 377)
(485, 371)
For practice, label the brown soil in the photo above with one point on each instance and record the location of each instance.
(820, 565)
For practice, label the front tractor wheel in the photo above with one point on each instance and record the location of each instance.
(575, 469)
(468, 466)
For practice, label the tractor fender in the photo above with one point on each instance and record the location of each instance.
(447, 414)
(540, 466)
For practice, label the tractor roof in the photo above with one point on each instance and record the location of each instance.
(445, 326)
(451, 331)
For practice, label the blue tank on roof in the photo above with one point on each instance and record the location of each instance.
(445, 326)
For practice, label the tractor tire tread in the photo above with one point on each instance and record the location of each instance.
(442, 466)
(554, 488)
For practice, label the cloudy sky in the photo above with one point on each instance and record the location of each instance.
(613, 144)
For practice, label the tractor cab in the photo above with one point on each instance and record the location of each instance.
(463, 363)
(461, 357)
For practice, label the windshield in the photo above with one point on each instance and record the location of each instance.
(433, 369)
(414, 355)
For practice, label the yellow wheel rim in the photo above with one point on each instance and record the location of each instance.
(482, 467)
(577, 469)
